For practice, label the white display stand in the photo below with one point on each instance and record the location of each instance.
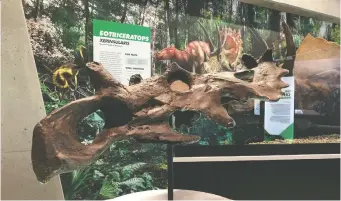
(163, 195)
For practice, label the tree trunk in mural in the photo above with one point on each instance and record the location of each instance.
(125, 9)
(194, 7)
(87, 19)
(291, 21)
(256, 43)
(240, 16)
(143, 12)
(176, 37)
(169, 21)
(37, 9)
(250, 15)
(230, 10)
(275, 28)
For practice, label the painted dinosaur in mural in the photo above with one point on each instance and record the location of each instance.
(65, 77)
(222, 57)
(191, 58)
(228, 57)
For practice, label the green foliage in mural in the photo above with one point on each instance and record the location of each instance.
(336, 34)
(210, 132)
(119, 172)
(51, 99)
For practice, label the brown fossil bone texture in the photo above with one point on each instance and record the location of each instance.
(141, 111)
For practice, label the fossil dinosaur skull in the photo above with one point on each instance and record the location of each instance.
(142, 111)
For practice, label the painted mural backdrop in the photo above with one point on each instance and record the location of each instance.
(187, 32)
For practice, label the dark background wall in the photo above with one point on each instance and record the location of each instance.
(269, 180)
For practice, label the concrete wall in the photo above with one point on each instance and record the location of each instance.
(325, 10)
(21, 108)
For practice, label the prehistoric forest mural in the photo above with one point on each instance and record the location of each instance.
(201, 36)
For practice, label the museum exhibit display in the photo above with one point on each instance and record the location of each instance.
(122, 81)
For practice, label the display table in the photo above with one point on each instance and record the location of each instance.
(163, 195)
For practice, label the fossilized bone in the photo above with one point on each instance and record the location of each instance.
(142, 111)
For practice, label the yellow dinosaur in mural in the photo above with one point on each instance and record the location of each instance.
(63, 75)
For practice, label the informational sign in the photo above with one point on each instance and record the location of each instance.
(279, 116)
(123, 49)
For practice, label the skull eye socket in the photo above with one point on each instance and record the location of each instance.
(179, 81)
(116, 112)
(135, 79)
(245, 75)
(183, 119)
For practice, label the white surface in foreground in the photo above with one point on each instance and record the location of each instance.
(162, 194)
(254, 158)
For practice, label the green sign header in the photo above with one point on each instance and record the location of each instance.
(116, 30)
